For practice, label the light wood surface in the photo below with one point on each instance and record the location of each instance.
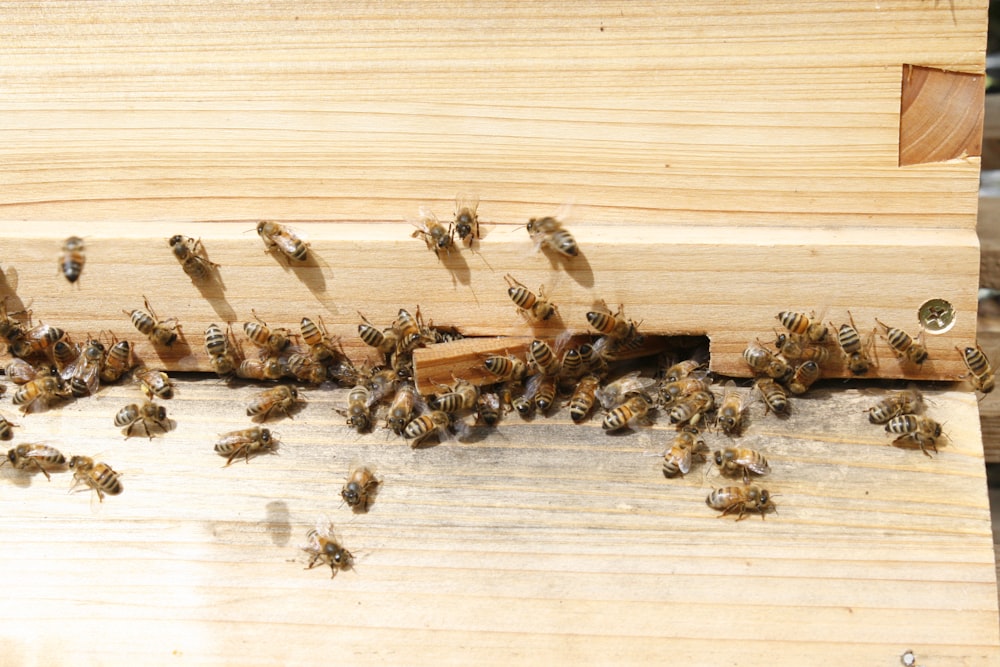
(539, 542)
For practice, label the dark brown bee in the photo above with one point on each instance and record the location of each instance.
(905, 346)
(153, 383)
(64, 353)
(150, 416)
(635, 407)
(801, 324)
(40, 393)
(281, 398)
(401, 410)
(897, 403)
(741, 461)
(11, 330)
(774, 396)
(358, 413)
(83, 375)
(324, 549)
(36, 340)
(437, 237)
(191, 254)
(803, 377)
(686, 445)
(72, 258)
(980, 370)
(549, 232)
(117, 361)
(36, 457)
(536, 307)
(732, 410)
(857, 351)
(159, 332)
(489, 408)
(273, 341)
(282, 238)
(466, 219)
(6, 429)
(583, 398)
(246, 443)
(360, 487)
(919, 429)
(98, 476)
(740, 499)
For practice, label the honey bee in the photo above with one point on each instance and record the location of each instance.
(305, 368)
(221, 350)
(462, 396)
(742, 499)
(83, 375)
(543, 358)
(358, 413)
(681, 369)
(149, 415)
(246, 443)
(20, 371)
(801, 324)
(401, 409)
(678, 389)
(159, 332)
(583, 398)
(36, 340)
(6, 429)
(922, 430)
(614, 326)
(36, 456)
(690, 408)
(64, 353)
(40, 393)
(282, 238)
(321, 347)
(636, 407)
(803, 377)
(763, 362)
(549, 232)
(741, 461)
(437, 237)
(523, 402)
(732, 410)
(905, 346)
(72, 258)
(281, 398)
(385, 341)
(191, 254)
(592, 360)
(488, 408)
(98, 476)
(270, 340)
(614, 393)
(466, 219)
(908, 401)
(11, 330)
(261, 369)
(774, 396)
(686, 445)
(117, 361)
(410, 329)
(423, 427)
(536, 307)
(572, 365)
(506, 368)
(153, 383)
(857, 351)
(360, 488)
(980, 370)
(324, 549)
(543, 392)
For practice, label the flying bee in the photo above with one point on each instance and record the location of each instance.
(906, 347)
(466, 218)
(535, 307)
(980, 370)
(742, 499)
(922, 430)
(153, 383)
(803, 377)
(741, 461)
(98, 476)
(681, 369)
(908, 401)
(385, 341)
(35, 456)
(506, 368)
(360, 488)
(37, 340)
(437, 237)
(857, 351)
(273, 341)
(84, 374)
(401, 409)
(358, 413)
(615, 326)
(321, 346)
(423, 427)
(72, 258)
(671, 392)
(774, 396)
(801, 324)
(40, 393)
(614, 393)
(690, 408)
(489, 408)
(686, 445)
(150, 416)
(763, 362)
(6, 429)
(246, 443)
(548, 232)
(269, 368)
(543, 393)
(324, 549)
(635, 408)
(282, 238)
(281, 398)
(159, 332)
(20, 371)
(462, 396)
(583, 398)
(732, 410)
(117, 361)
(191, 254)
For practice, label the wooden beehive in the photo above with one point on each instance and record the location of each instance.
(724, 161)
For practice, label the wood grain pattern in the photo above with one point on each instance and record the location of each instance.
(511, 544)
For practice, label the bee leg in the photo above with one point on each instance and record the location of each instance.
(40, 469)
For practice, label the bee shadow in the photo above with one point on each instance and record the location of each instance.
(578, 268)
(277, 522)
(456, 265)
(213, 291)
(309, 272)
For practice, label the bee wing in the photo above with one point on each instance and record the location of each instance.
(466, 200)
(684, 460)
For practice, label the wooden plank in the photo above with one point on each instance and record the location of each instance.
(728, 284)
(988, 229)
(514, 543)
